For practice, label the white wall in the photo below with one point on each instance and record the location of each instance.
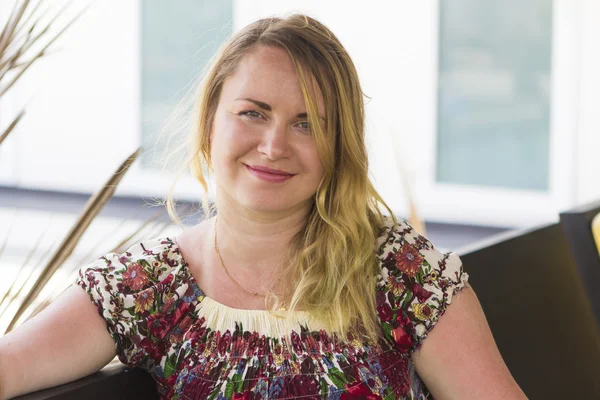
(81, 101)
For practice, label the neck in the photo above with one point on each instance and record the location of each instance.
(255, 242)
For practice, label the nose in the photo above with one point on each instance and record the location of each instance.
(274, 142)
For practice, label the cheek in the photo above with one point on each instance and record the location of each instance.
(313, 161)
(231, 138)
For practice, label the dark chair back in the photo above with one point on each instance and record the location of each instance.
(538, 311)
(577, 224)
(114, 382)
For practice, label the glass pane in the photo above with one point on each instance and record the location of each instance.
(494, 81)
(177, 41)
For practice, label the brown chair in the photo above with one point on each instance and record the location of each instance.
(537, 308)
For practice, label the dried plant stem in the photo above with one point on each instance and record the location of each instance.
(91, 210)
(11, 126)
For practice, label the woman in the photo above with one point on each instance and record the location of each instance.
(299, 287)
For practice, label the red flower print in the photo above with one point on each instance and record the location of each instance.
(303, 386)
(296, 345)
(198, 388)
(223, 341)
(408, 260)
(326, 341)
(178, 313)
(247, 395)
(402, 340)
(420, 292)
(380, 296)
(402, 333)
(263, 346)
(359, 391)
(196, 332)
(158, 326)
(396, 369)
(252, 344)
(181, 330)
(385, 311)
(134, 276)
(92, 281)
(238, 347)
(153, 350)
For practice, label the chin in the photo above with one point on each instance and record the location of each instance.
(270, 204)
(265, 206)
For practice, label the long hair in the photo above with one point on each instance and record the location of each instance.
(331, 266)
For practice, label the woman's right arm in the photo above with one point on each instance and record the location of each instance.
(66, 341)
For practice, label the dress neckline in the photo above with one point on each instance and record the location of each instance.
(185, 268)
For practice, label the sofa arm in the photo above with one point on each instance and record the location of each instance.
(114, 381)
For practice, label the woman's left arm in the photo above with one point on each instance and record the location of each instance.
(460, 359)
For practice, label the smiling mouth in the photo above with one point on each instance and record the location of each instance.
(267, 176)
(268, 170)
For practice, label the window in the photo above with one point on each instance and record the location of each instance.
(494, 93)
(177, 41)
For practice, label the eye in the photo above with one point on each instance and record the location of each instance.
(305, 126)
(252, 114)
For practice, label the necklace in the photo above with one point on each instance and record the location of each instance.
(253, 293)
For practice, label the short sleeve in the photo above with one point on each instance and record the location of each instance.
(416, 285)
(126, 289)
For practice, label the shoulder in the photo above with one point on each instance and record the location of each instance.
(142, 264)
(129, 286)
(403, 250)
(417, 282)
(134, 287)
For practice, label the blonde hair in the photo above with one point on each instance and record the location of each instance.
(331, 267)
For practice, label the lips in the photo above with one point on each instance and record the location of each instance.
(260, 173)
(268, 170)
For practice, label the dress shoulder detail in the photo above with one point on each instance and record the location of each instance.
(416, 284)
(132, 288)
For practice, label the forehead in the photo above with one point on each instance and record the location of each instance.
(267, 74)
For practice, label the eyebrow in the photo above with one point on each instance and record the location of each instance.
(267, 107)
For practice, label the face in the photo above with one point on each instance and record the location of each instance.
(261, 124)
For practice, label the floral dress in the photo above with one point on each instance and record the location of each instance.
(197, 348)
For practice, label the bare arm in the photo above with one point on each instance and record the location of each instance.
(66, 341)
(460, 360)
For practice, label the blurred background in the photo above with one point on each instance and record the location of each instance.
(483, 113)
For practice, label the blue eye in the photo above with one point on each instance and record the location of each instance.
(250, 114)
(304, 125)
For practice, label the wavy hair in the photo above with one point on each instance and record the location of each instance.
(331, 267)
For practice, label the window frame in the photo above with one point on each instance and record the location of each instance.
(451, 202)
